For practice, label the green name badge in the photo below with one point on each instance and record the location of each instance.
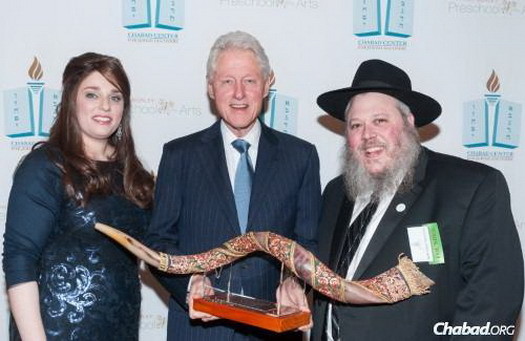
(425, 244)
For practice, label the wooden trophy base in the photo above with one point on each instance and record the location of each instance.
(252, 311)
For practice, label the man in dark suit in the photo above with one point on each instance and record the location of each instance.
(450, 215)
(208, 191)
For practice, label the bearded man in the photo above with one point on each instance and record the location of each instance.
(450, 215)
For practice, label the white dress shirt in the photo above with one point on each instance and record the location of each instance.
(359, 205)
(232, 154)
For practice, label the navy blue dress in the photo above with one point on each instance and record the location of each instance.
(89, 286)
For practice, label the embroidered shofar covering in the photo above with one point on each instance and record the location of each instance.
(393, 285)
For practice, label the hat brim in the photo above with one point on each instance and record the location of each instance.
(424, 108)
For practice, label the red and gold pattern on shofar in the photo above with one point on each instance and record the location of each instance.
(280, 247)
(242, 245)
(327, 281)
(396, 284)
(215, 258)
(201, 262)
(391, 284)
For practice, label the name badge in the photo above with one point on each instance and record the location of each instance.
(425, 244)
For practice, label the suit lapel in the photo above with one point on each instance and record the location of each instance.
(343, 220)
(265, 169)
(213, 161)
(392, 218)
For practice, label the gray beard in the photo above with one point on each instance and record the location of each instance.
(398, 177)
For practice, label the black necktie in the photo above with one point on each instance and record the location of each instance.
(353, 237)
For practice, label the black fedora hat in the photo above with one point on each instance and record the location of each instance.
(379, 76)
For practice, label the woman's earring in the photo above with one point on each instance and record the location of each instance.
(118, 134)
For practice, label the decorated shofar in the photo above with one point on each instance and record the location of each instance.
(393, 285)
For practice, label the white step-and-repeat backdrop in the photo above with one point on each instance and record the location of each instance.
(468, 54)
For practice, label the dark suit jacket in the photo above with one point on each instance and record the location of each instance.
(195, 211)
(482, 278)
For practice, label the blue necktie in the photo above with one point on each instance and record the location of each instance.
(243, 183)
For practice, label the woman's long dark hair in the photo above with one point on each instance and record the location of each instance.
(81, 177)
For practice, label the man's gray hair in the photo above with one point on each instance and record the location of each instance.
(404, 110)
(237, 40)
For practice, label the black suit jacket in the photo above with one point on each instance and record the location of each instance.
(482, 278)
(195, 212)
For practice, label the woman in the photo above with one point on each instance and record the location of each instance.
(65, 280)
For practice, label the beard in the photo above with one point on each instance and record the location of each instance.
(398, 176)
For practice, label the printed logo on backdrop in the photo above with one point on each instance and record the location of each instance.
(487, 7)
(29, 111)
(278, 4)
(152, 322)
(158, 107)
(153, 21)
(491, 125)
(376, 33)
(281, 113)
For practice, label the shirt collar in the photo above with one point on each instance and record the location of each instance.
(252, 137)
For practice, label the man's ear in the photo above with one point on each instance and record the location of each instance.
(411, 119)
(211, 93)
(269, 82)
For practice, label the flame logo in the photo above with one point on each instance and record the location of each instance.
(35, 70)
(493, 82)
